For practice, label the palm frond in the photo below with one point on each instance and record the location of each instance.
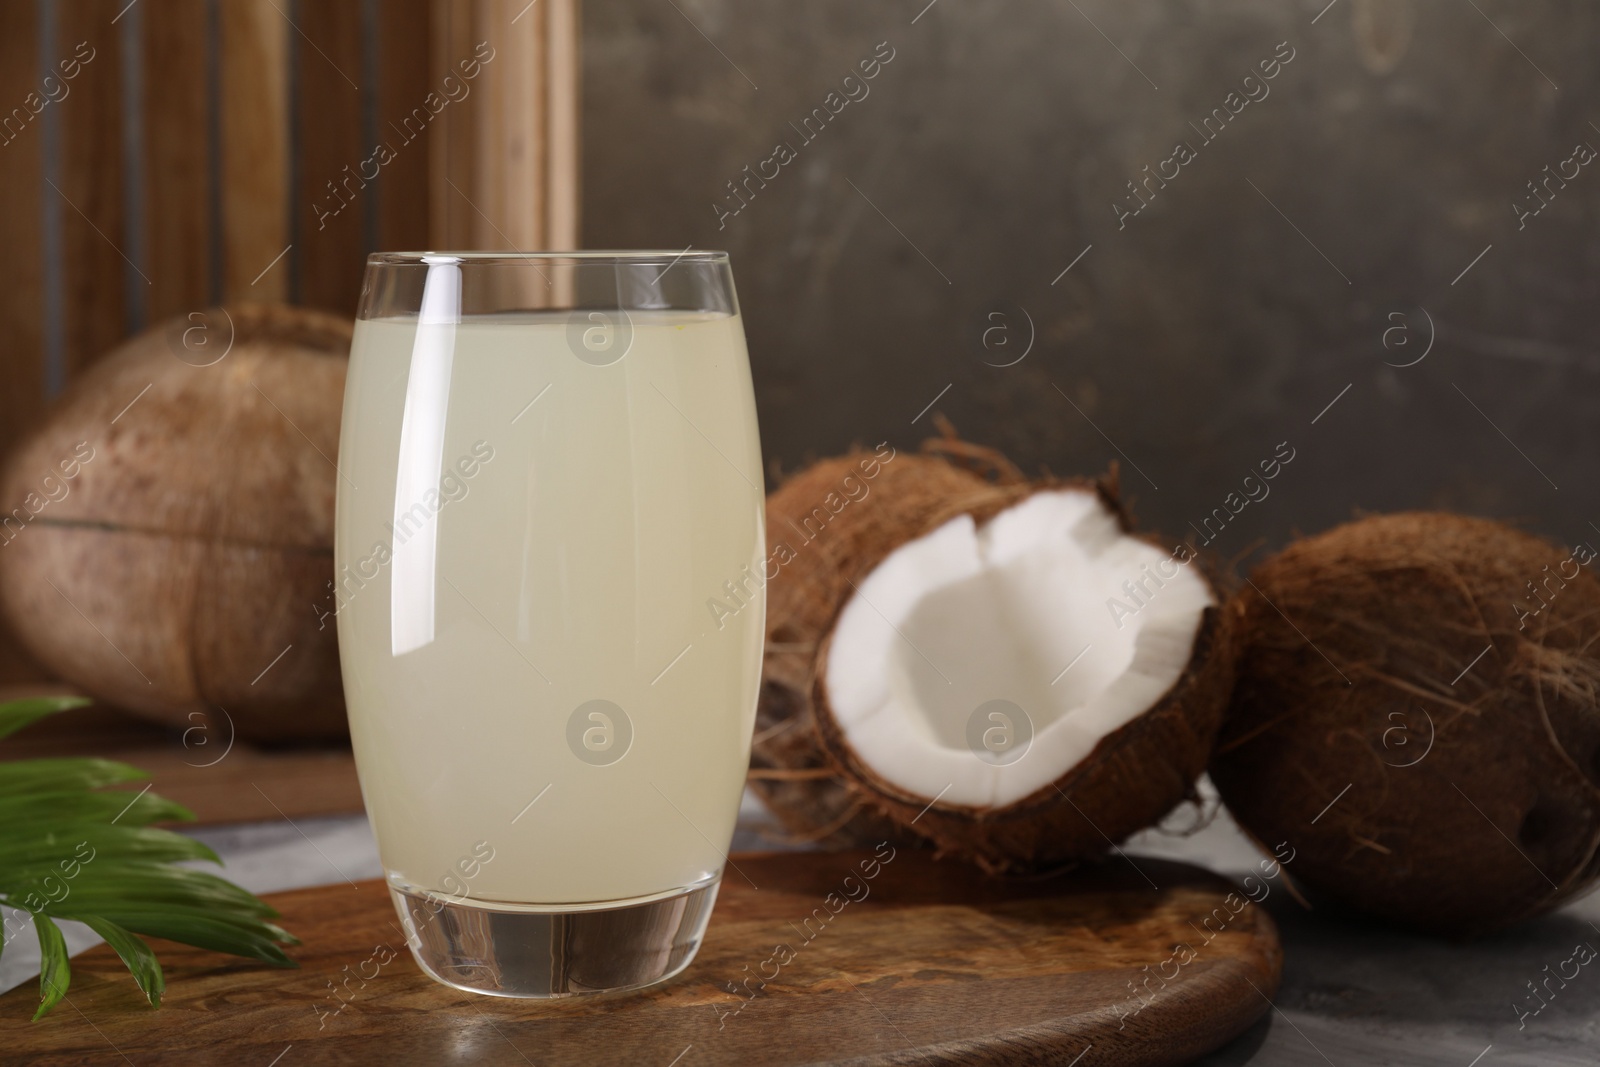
(69, 850)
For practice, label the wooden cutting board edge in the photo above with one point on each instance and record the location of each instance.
(1218, 999)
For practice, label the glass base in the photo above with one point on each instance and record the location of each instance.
(528, 951)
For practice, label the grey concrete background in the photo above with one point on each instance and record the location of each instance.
(1224, 318)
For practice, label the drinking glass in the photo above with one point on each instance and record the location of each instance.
(549, 598)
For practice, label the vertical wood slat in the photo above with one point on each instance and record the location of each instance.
(335, 169)
(254, 43)
(22, 190)
(450, 136)
(509, 161)
(404, 79)
(504, 171)
(564, 129)
(176, 157)
(94, 254)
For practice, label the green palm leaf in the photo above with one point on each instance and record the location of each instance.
(135, 953)
(129, 809)
(54, 970)
(57, 840)
(118, 883)
(219, 932)
(19, 713)
(70, 851)
(31, 776)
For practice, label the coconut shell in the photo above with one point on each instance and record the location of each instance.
(195, 544)
(1428, 747)
(1133, 777)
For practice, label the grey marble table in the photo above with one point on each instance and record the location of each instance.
(1354, 993)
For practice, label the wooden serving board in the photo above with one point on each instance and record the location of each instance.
(931, 964)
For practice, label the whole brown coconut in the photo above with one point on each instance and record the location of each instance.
(830, 527)
(1416, 717)
(170, 531)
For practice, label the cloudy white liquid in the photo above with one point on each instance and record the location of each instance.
(575, 517)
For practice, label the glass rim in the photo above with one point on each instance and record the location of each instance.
(599, 256)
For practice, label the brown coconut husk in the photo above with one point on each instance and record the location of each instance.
(1132, 778)
(1355, 640)
(197, 543)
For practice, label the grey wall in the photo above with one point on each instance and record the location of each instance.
(1215, 324)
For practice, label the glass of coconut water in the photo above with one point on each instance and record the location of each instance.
(548, 467)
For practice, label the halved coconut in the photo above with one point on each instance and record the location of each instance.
(1011, 675)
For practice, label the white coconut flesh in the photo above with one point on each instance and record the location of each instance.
(1022, 609)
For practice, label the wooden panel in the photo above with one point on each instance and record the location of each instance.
(255, 149)
(931, 964)
(336, 169)
(94, 247)
(495, 167)
(177, 180)
(404, 79)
